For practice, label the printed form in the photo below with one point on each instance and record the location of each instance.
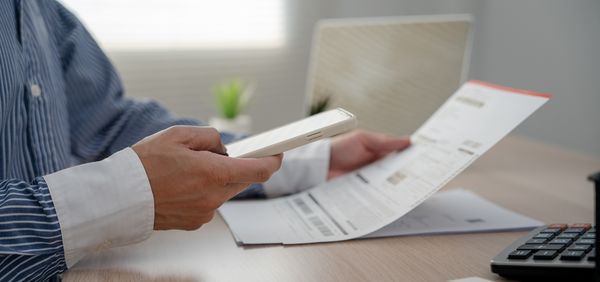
(452, 211)
(468, 124)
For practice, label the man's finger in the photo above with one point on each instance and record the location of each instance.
(198, 138)
(235, 188)
(383, 144)
(252, 170)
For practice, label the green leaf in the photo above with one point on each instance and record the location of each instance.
(230, 98)
(320, 105)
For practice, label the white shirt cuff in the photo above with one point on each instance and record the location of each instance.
(102, 204)
(302, 168)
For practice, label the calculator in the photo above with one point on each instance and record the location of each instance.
(553, 252)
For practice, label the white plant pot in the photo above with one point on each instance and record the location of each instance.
(241, 124)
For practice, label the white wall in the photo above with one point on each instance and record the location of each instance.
(551, 46)
(183, 80)
(543, 45)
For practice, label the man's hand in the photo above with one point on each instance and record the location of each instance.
(190, 177)
(358, 148)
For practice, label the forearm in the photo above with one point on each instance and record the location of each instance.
(102, 204)
(302, 168)
(143, 118)
(50, 224)
(102, 120)
(31, 246)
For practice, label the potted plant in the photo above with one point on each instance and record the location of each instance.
(319, 105)
(231, 98)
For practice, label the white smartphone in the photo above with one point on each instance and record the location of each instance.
(295, 134)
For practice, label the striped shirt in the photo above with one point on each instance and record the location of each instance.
(61, 104)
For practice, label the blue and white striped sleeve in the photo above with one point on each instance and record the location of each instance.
(102, 120)
(49, 224)
(31, 246)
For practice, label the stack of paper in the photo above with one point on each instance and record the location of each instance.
(456, 211)
(475, 118)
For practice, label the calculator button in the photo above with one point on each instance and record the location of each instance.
(520, 254)
(577, 230)
(534, 247)
(589, 235)
(544, 236)
(545, 255)
(585, 242)
(572, 255)
(536, 241)
(551, 230)
(555, 247)
(592, 255)
(585, 226)
(568, 236)
(559, 226)
(562, 241)
(585, 248)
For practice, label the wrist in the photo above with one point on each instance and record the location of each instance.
(302, 168)
(102, 204)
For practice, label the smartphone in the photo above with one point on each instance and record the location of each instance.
(295, 134)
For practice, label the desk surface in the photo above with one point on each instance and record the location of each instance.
(540, 181)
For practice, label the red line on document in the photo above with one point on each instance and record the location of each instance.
(510, 89)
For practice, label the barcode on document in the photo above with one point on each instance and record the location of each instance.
(302, 205)
(317, 222)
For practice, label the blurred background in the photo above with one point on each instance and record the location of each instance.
(177, 51)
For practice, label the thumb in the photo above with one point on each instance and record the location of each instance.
(383, 144)
(199, 138)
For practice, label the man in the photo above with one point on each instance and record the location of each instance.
(70, 183)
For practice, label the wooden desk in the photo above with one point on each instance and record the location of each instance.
(543, 182)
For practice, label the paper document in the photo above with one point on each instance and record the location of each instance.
(456, 211)
(468, 124)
